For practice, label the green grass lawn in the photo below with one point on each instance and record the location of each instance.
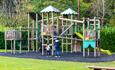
(12, 63)
(2, 50)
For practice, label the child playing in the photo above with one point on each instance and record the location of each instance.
(48, 50)
(88, 34)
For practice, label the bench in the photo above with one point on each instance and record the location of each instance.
(100, 68)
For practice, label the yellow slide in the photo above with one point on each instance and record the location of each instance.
(102, 50)
(79, 34)
(106, 51)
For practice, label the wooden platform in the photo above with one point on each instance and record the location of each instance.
(101, 68)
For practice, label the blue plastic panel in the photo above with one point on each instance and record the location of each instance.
(89, 42)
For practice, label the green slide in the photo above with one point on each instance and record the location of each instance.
(79, 34)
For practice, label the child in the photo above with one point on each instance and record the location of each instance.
(48, 50)
(88, 35)
(57, 48)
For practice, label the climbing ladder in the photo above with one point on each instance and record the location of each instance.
(67, 33)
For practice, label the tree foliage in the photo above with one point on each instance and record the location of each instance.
(13, 13)
(13, 10)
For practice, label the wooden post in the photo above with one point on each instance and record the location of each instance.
(88, 52)
(103, 1)
(47, 18)
(11, 47)
(72, 33)
(5, 44)
(95, 52)
(94, 33)
(62, 31)
(28, 33)
(33, 47)
(42, 45)
(98, 38)
(20, 40)
(88, 28)
(36, 32)
(52, 35)
(48, 26)
(99, 26)
(14, 46)
(57, 24)
(98, 49)
(66, 38)
(75, 40)
(83, 37)
(78, 9)
(94, 25)
(88, 23)
(42, 34)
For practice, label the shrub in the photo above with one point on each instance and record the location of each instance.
(108, 38)
(2, 40)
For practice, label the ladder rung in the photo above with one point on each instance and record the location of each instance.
(46, 44)
(66, 43)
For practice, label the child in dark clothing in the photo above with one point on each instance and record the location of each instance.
(57, 48)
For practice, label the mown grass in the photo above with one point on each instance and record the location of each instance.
(12, 63)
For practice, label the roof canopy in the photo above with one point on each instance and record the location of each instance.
(33, 15)
(50, 9)
(69, 11)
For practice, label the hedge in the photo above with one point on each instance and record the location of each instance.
(108, 38)
(2, 40)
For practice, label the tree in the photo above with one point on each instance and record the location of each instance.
(39, 5)
(14, 9)
(102, 8)
(13, 13)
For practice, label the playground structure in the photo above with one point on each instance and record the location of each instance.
(46, 29)
(16, 35)
(34, 31)
(75, 26)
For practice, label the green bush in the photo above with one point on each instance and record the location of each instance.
(108, 38)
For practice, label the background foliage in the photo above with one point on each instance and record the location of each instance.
(108, 38)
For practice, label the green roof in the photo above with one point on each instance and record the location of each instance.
(69, 11)
(50, 9)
